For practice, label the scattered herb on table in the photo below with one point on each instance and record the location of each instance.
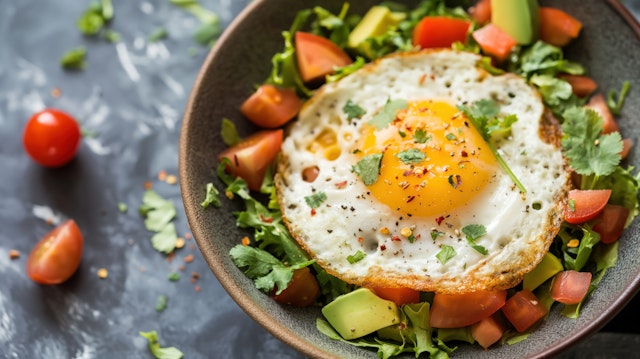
(158, 351)
(161, 303)
(210, 28)
(74, 59)
(159, 213)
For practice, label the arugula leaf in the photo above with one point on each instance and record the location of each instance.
(615, 101)
(343, 71)
(352, 110)
(229, 133)
(388, 113)
(157, 350)
(411, 156)
(446, 252)
(316, 199)
(161, 303)
(74, 59)
(211, 196)
(368, 168)
(588, 151)
(331, 286)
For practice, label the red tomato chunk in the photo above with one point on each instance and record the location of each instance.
(271, 106)
(317, 56)
(489, 330)
(524, 310)
(400, 296)
(460, 310)
(440, 31)
(611, 222)
(585, 205)
(570, 287)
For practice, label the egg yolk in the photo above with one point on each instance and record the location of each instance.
(433, 159)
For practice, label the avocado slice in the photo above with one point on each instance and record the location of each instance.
(547, 268)
(518, 18)
(359, 313)
(376, 22)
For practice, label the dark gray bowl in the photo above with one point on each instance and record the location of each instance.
(241, 59)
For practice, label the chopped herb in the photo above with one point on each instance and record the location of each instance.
(411, 156)
(74, 59)
(159, 213)
(455, 181)
(161, 303)
(158, 34)
(436, 233)
(356, 257)
(446, 253)
(316, 199)
(211, 197)
(91, 21)
(174, 276)
(209, 28)
(572, 205)
(420, 136)
(473, 232)
(345, 70)
(157, 350)
(412, 238)
(352, 110)
(368, 168)
(402, 134)
(207, 33)
(122, 207)
(165, 240)
(111, 36)
(615, 101)
(451, 137)
(388, 113)
(229, 133)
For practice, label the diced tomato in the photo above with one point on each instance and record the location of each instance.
(317, 56)
(585, 205)
(523, 310)
(626, 147)
(489, 330)
(252, 156)
(460, 310)
(570, 287)
(581, 85)
(557, 27)
(57, 255)
(481, 11)
(494, 42)
(610, 223)
(599, 104)
(271, 106)
(440, 31)
(303, 290)
(400, 296)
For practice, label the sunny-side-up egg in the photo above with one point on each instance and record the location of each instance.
(387, 183)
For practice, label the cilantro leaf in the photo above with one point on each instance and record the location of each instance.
(211, 197)
(473, 232)
(74, 59)
(420, 136)
(316, 199)
(174, 276)
(165, 240)
(158, 34)
(157, 350)
(543, 58)
(352, 110)
(615, 101)
(555, 92)
(157, 210)
(388, 113)
(368, 168)
(356, 257)
(411, 156)
(445, 254)
(209, 28)
(161, 303)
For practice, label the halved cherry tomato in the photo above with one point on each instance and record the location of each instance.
(271, 106)
(460, 310)
(252, 156)
(481, 11)
(57, 255)
(599, 104)
(610, 223)
(585, 204)
(440, 31)
(317, 56)
(489, 330)
(557, 27)
(494, 42)
(581, 85)
(626, 147)
(400, 296)
(303, 290)
(51, 137)
(570, 287)
(523, 310)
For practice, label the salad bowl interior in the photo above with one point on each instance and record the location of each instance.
(241, 59)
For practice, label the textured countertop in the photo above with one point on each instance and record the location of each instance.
(131, 97)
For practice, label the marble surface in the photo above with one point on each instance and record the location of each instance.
(131, 97)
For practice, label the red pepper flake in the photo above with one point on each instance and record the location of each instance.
(188, 258)
(162, 175)
(181, 268)
(411, 198)
(313, 211)
(148, 185)
(193, 280)
(439, 220)
(195, 275)
(395, 238)
(266, 219)
(341, 185)
(464, 153)
(422, 79)
(383, 247)
(170, 257)
(246, 241)
(188, 236)
(14, 254)
(360, 239)
(56, 92)
(197, 288)
(192, 247)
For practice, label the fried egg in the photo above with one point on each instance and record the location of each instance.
(386, 183)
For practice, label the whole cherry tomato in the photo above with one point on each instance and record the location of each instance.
(57, 256)
(51, 137)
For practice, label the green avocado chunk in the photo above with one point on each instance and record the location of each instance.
(359, 313)
(547, 268)
(518, 18)
(376, 22)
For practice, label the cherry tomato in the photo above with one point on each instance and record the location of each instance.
(440, 31)
(51, 137)
(489, 330)
(570, 287)
(252, 156)
(400, 296)
(610, 223)
(317, 56)
(557, 27)
(523, 310)
(581, 85)
(460, 310)
(271, 106)
(587, 204)
(481, 11)
(57, 255)
(303, 290)
(599, 104)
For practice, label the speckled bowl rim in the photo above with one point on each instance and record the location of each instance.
(192, 196)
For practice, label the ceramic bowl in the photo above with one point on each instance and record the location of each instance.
(241, 59)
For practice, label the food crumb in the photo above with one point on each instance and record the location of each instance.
(246, 241)
(574, 243)
(181, 268)
(172, 179)
(170, 257)
(197, 288)
(56, 92)
(14, 254)
(189, 258)
(162, 175)
(103, 273)
(188, 236)
(179, 242)
(148, 185)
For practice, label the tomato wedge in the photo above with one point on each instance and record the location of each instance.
(523, 310)
(303, 290)
(440, 31)
(585, 205)
(252, 156)
(57, 255)
(557, 27)
(494, 42)
(460, 310)
(481, 11)
(271, 106)
(611, 222)
(489, 330)
(581, 85)
(570, 287)
(400, 296)
(317, 56)
(599, 104)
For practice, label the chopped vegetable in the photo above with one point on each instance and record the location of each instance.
(400, 296)
(524, 310)
(582, 85)
(611, 222)
(209, 28)
(159, 213)
(557, 27)
(440, 31)
(211, 197)
(57, 255)
(270, 106)
(157, 350)
(587, 204)
(158, 34)
(489, 330)
(570, 287)
(74, 59)
(318, 57)
(615, 100)
(302, 290)
(459, 310)
(161, 303)
(494, 42)
(229, 133)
